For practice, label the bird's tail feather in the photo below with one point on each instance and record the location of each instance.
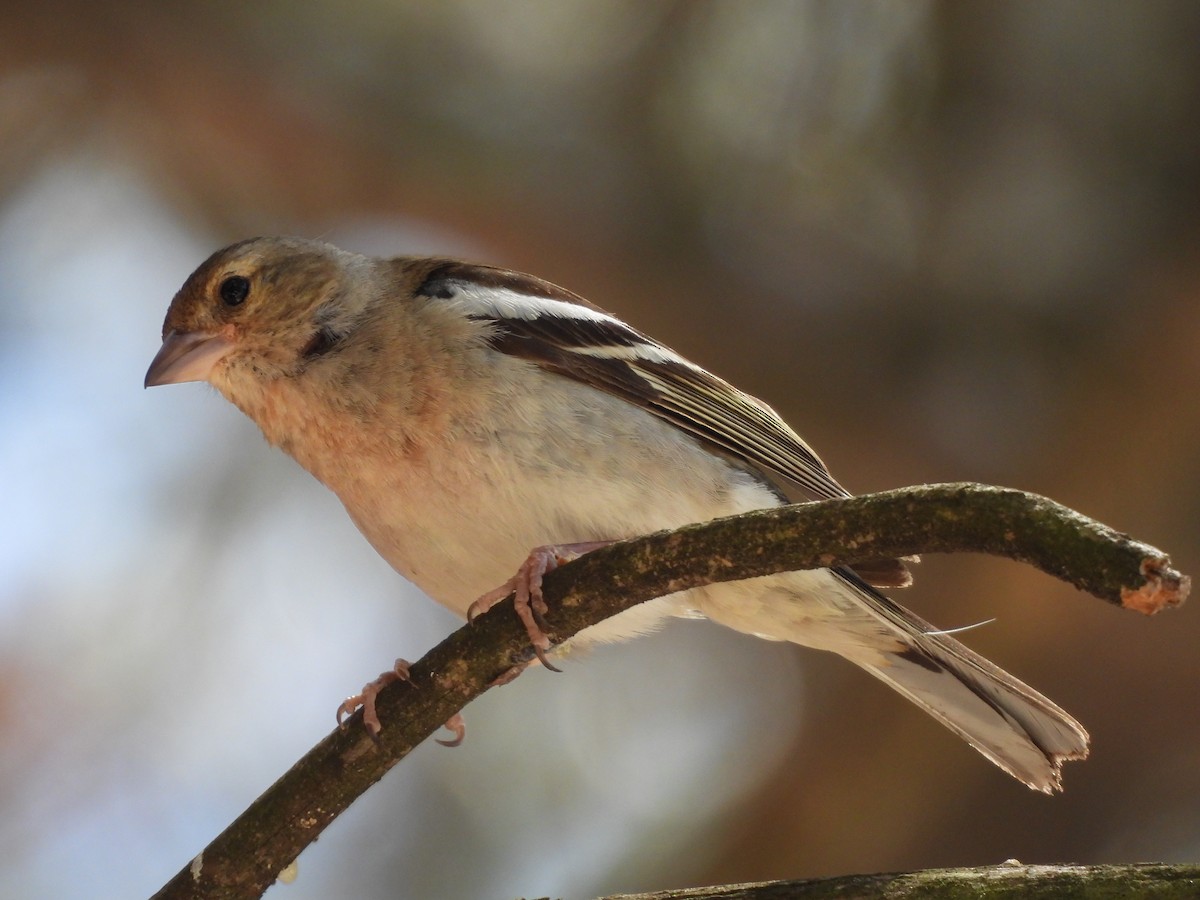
(1007, 721)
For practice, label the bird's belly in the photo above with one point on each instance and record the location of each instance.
(458, 524)
(458, 516)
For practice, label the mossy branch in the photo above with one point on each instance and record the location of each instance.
(246, 858)
(1007, 881)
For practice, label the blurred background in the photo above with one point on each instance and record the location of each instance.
(947, 241)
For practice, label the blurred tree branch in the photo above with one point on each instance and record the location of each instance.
(245, 859)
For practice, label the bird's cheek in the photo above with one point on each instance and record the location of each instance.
(187, 356)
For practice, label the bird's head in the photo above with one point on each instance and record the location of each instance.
(257, 308)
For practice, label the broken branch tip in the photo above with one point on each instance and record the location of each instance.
(1163, 587)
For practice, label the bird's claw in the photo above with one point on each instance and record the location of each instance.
(366, 701)
(456, 724)
(526, 588)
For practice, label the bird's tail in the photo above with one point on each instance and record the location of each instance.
(1007, 721)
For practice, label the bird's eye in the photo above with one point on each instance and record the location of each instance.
(234, 290)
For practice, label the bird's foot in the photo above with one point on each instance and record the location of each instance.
(457, 725)
(526, 586)
(366, 700)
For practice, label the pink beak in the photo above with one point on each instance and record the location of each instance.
(186, 356)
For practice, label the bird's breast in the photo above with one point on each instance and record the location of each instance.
(527, 462)
(455, 492)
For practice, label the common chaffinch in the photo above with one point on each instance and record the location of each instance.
(467, 415)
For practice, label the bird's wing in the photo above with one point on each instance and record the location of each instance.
(559, 331)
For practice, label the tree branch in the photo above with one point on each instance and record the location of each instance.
(1002, 882)
(245, 859)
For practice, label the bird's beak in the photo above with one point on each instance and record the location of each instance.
(186, 356)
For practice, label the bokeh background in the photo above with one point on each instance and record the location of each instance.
(948, 241)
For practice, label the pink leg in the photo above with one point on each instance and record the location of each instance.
(526, 586)
(366, 700)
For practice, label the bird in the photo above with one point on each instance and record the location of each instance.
(476, 421)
